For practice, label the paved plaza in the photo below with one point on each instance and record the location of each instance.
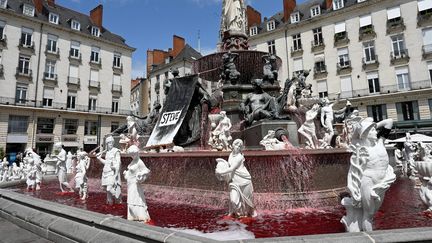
(10, 232)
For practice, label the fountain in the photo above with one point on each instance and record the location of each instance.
(281, 191)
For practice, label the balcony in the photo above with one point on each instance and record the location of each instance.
(343, 67)
(24, 73)
(341, 39)
(52, 53)
(94, 84)
(118, 69)
(75, 58)
(50, 77)
(296, 52)
(72, 81)
(320, 71)
(395, 25)
(424, 18)
(367, 33)
(370, 63)
(27, 47)
(3, 41)
(399, 57)
(389, 89)
(317, 45)
(116, 88)
(96, 63)
(427, 52)
(1, 71)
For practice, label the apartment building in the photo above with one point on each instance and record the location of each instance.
(64, 77)
(140, 97)
(376, 53)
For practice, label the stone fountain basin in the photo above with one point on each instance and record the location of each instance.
(424, 168)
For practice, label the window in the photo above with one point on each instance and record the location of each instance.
(398, 46)
(90, 128)
(92, 103)
(24, 65)
(18, 124)
(271, 25)
(373, 82)
(340, 31)
(3, 3)
(315, 11)
(297, 44)
(115, 106)
(366, 24)
(346, 87)
(95, 31)
(50, 69)
(318, 38)
(94, 56)
(45, 125)
(75, 49)
(21, 95)
(271, 47)
(424, 6)
(393, 13)
(343, 57)
(295, 17)
(338, 4)
(369, 52)
(26, 37)
(70, 103)
(28, 10)
(114, 126)
(319, 66)
(53, 18)
(48, 97)
(297, 65)
(75, 25)
(322, 88)
(402, 76)
(2, 29)
(430, 107)
(253, 31)
(70, 126)
(427, 40)
(94, 75)
(52, 43)
(116, 82)
(377, 112)
(117, 60)
(407, 111)
(430, 70)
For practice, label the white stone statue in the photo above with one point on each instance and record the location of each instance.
(111, 180)
(69, 160)
(36, 165)
(31, 175)
(410, 150)
(132, 138)
(234, 16)
(308, 129)
(327, 118)
(370, 175)
(424, 170)
(400, 161)
(239, 180)
(60, 155)
(81, 180)
(5, 175)
(136, 173)
(270, 142)
(220, 138)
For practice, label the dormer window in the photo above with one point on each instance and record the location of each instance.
(3, 3)
(295, 17)
(338, 4)
(75, 25)
(53, 18)
(95, 31)
(271, 25)
(253, 31)
(315, 11)
(28, 10)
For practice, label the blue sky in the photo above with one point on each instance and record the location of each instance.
(150, 24)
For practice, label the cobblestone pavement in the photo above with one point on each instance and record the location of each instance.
(11, 233)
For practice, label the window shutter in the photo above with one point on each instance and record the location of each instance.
(94, 75)
(322, 86)
(393, 13)
(424, 5)
(342, 51)
(340, 27)
(298, 64)
(48, 93)
(73, 71)
(365, 20)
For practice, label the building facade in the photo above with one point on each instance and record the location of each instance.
(376, 53)
(140, 97)
(64, 77)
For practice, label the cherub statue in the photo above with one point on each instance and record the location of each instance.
(370, 174)
(237, 176)
(327, 118)
(308, 129)
(229, 70)
(270, 73)
(81, 180)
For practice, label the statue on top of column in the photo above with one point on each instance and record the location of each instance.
(233, 25)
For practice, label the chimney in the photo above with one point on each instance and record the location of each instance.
(329, 4)
(253, 16)
(96, 15)
(51, 3)
(38, 5)
(178, 45)
(289, 6)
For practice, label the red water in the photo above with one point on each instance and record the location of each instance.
(402, 208)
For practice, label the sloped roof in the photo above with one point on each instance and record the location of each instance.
(187, 53)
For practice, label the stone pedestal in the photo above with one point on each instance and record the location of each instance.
(255, 133)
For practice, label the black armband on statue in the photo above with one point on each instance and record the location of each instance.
(384, 133)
